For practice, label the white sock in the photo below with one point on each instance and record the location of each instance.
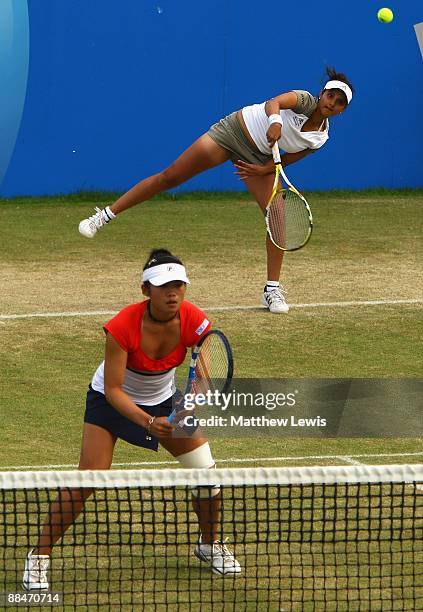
(108, 215)
(270, 285)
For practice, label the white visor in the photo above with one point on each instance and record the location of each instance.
(342, 86)
(165, 273)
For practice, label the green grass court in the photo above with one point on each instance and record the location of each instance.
(366, 246)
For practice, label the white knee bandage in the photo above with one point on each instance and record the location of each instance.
(200, 457)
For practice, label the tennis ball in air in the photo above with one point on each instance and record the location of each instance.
(385, 15)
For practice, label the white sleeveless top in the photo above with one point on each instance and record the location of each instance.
(292, 139)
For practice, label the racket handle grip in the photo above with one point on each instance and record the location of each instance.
(276, 153)
(172, 416)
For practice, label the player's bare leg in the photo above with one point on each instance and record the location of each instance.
(202, 155)
(261, 188)
(96, 454)
(207, 511)
(207, 502)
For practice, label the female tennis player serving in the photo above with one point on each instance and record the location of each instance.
(296, 120)
(130, 397)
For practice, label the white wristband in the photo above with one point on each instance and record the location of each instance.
(276, 118)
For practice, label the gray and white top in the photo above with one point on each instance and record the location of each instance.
(292, 139)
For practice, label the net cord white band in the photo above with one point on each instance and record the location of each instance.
(105, 479)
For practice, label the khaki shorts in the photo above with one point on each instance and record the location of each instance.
(228, 133)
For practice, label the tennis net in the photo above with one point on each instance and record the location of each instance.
(307, 539)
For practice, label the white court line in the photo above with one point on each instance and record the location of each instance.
(349, 460)
(346, 458)
(96, 313)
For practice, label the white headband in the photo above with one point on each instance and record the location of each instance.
(342, 86)
(165, 273)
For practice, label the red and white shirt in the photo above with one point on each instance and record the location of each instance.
(151, 381)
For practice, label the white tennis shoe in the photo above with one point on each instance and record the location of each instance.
(275, 300)
(89, 227)
(35, 572)
(217, 555)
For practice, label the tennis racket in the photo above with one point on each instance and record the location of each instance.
(211, 367)
(288, 217)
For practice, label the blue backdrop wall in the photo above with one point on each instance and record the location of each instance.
(97, 94)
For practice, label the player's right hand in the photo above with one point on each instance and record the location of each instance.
(273, 133)
(161, 428)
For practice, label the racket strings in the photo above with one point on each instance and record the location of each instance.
(288, 220)
(211, 369)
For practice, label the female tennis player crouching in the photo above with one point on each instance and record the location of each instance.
(297, 120)
(130, 397)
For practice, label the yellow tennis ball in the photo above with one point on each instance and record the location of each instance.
(385, 15)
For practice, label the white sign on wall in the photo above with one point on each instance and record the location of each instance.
(419, 33)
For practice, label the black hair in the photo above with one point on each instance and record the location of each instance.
(158, 257)
(338, 76)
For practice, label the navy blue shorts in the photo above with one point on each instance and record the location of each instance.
(99, 412)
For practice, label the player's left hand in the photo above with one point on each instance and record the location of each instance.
(245, 170)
